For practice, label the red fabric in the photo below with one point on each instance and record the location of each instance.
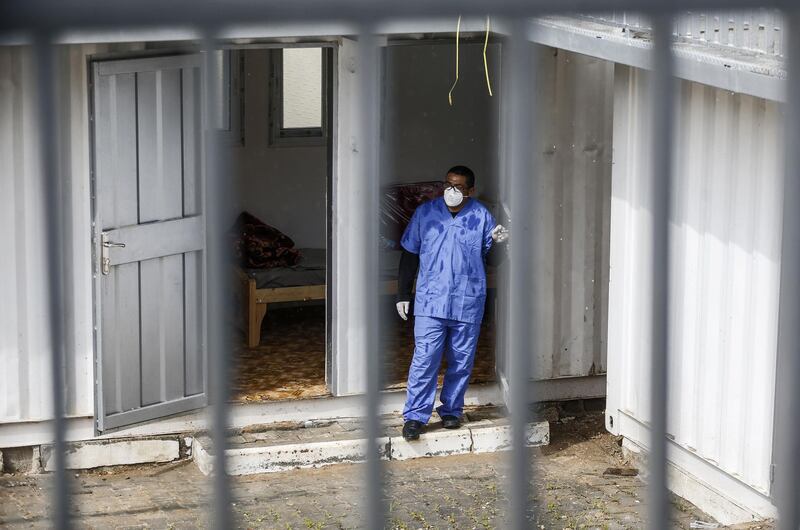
(260, 246)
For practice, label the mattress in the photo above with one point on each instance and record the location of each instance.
(310, 270)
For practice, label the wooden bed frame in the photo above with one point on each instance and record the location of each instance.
(256, 300)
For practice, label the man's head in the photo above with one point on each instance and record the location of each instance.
(462, 178)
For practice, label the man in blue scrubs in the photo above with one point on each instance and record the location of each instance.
(447, 241)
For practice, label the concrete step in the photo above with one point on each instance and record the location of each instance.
(290, 445)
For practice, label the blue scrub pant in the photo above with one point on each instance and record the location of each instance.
(432, 337)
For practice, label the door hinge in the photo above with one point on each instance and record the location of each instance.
(772, 474)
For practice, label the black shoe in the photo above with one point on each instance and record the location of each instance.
(451, 422)
(412, 429)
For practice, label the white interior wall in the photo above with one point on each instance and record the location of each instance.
(423, 136)
(283, 186)
(725, 230)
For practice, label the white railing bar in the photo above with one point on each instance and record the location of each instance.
(46, 113)
(519, 111)
(787, 421)
(662, 91)
(367, 120)
(218, 203)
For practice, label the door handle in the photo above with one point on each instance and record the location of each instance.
(105, 259)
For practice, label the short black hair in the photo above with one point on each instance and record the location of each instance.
(464, 171)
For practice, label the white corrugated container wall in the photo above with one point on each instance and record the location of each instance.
(725, 263)
(24, 341)
(24, 330)
(574, 97)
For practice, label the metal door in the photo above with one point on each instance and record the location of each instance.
(149, 239)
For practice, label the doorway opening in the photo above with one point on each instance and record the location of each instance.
(282, 183)
(423, 136)
(281, 162)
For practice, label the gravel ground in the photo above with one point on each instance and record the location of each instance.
(572, 483)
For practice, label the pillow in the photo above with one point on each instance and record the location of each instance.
(261, 246)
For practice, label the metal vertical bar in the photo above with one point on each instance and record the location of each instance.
(661, 93)
(368, 178)
(218, 203)
(54, 244)
(519, 113)
(787, 419)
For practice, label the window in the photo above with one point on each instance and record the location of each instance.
(299, 91)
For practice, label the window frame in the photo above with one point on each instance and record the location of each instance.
(231, 98)
(297, 136)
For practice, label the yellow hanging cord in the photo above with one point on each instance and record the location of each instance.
(485, 62)
(450, 94)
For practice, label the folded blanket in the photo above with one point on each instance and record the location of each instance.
(259, 246)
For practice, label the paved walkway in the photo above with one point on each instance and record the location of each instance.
(450, 492)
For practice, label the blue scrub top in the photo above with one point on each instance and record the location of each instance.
(451, 282)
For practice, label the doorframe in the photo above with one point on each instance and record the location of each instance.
(92, 61)
(331, 109)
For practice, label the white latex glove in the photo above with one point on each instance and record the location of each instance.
(402, 309)
(500, 234)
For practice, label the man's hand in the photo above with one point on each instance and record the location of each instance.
(500, 234)
(402, 309)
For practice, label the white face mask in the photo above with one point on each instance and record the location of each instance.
(453, 197)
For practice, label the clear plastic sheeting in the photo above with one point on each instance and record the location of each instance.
(398, 202)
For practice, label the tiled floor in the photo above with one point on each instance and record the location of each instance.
(290, 361)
